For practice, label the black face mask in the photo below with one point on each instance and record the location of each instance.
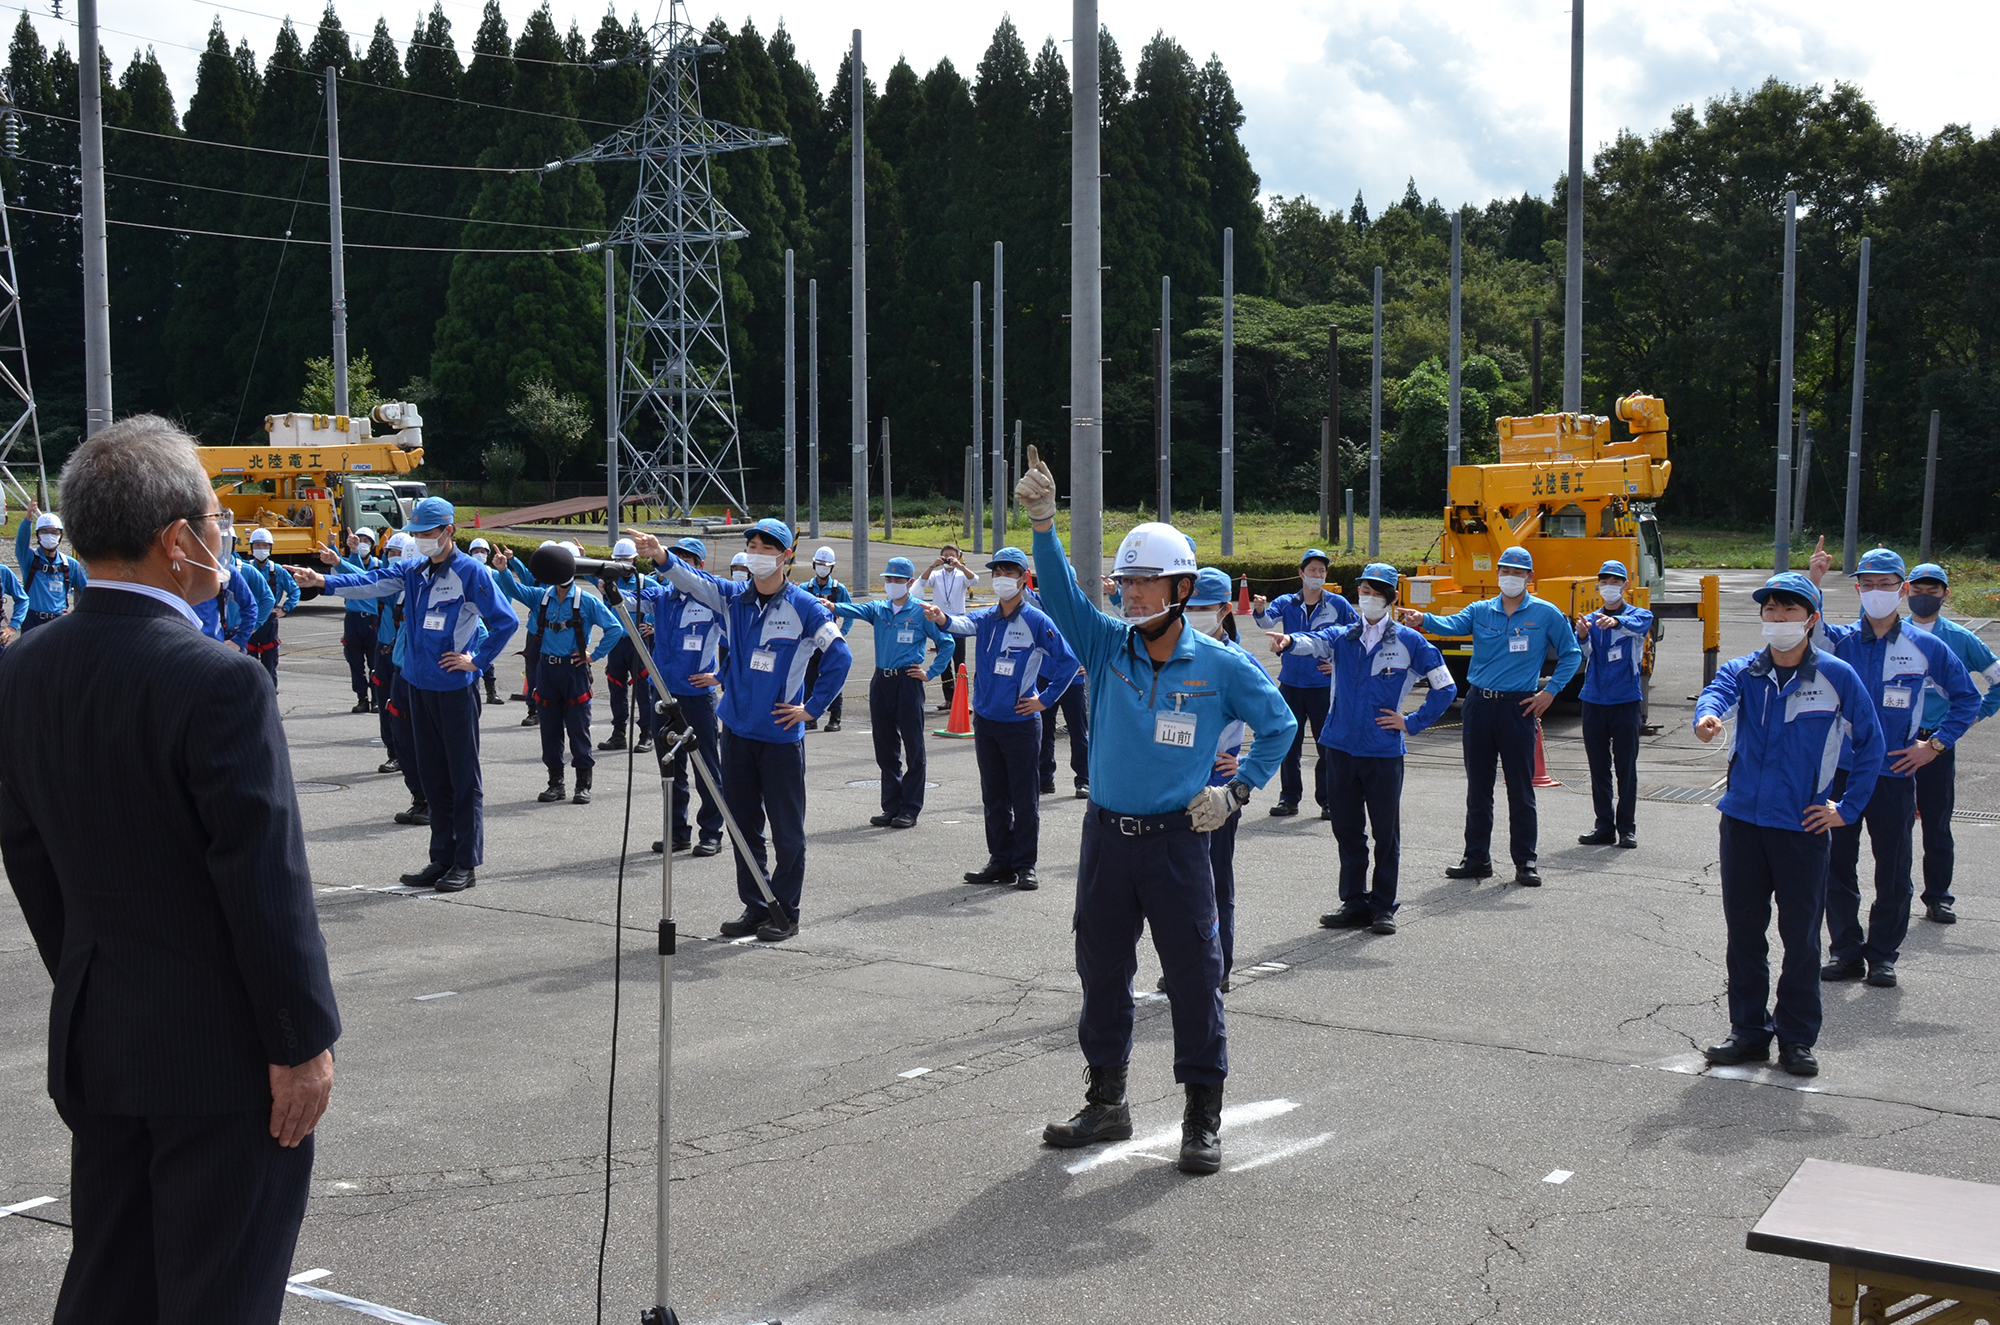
(1926, 604)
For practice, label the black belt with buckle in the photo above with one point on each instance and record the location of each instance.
(1484, 693)
(886, 672)
(1143, 825)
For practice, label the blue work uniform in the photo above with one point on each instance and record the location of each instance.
(515, 582)
(1897, 670)
(763, 765)
(49, 578)
(1611, 712)
(392, 696)
(14, 592)
(1013, 656)
(445, 607)
(357, 629)
(1222, 841)
(828, 591)
(1155, 730)
(1783, 760)
(1305, 687)
(285, 591)
(1507, 655)
(687, 641)
(623, 672)
(895, 698)
(232, 615)
(562, 618)
(1073, 706)
(1365, 761)
(1937, 781)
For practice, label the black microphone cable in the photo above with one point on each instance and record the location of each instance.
(617, 989)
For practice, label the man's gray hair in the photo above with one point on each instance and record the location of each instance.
(126, 484)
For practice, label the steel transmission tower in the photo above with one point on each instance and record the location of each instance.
(676, 393)
(17, 391)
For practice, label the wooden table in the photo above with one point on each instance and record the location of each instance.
(1888, 1237)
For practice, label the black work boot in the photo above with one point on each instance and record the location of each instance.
(582, 796)
(493, 692)
(616, 741)
(555, 790)
(1201, 1125)
(1105, 1115)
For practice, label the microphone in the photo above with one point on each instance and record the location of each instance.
(556, 564)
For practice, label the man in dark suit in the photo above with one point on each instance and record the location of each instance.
(157, 856)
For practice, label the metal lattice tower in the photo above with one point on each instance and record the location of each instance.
(17, 391)
(676, 392)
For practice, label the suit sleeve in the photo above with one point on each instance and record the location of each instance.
(382, 582)
(33, 876)
(267, 601)
(696, 584)
(240, 783)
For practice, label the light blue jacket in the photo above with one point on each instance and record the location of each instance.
(53, 579)
(1979, 662)
(831, 591)
(1010, 655)
(12, 589)
(241, 603)
(444, 607)
(892, 624)
(1612, 657)
(1898, 670)
(1288, 613)
(1144, 759)
(360, 566)
(279, 581)
(770, 643)
(1507, 652)
(1366, 681)
(566, 614)
(1787, 742)
(687, 638)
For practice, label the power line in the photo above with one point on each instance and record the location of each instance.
(288, 239)
(351, 81)
(279, 151)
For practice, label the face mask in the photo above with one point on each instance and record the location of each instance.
(1926, 604)
(822, 573)
(481, 555)
(207, 563)
(430, 547)
(1513, 586)
(740, 575)
(1314, 581)
(897, 589)
(1880, 602)
(762, 565)
(1612, 594)
(1371, 607)
(262, 552)
(1139, 622)
(1006, 585)
(1784, 636)
(48, 541)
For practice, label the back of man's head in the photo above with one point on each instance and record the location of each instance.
(127, 483)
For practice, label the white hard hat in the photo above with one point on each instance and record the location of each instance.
(259, 536)
(365, 532)
(1152, 549)
(479, 543)
(624, 547)
(823, 557)
(402, 542)
(575, 548)
(548, 542)
(48, 520)
(740, 559)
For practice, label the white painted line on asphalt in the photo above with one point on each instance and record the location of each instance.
(1239, 1115)
(309, 1277)
(1559, 1176)
(1284, 1152)
(915, 1072)
(300, 1285)
(33, 1203)
(1151, 995)
(1696, 1065)
(425, 998)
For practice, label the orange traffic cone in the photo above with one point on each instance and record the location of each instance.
(960, 725)
(1542, 778)
(475, 522)
(1243, 596)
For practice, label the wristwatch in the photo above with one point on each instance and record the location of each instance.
(1937, 745)
(1239, 791)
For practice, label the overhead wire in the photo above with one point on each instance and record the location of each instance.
(350, 81)
(317, 243)
(421, 45)
(279, 151)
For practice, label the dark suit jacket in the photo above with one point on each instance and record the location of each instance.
(151, 834)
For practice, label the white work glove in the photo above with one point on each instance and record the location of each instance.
(1037, 489)
(1211, 808)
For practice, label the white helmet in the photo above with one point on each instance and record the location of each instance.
(823, 557)
(740, 559)
(259, 536)
(1153, 549)
(624, 547)
(364, 532)
(48, 520)
(547, 542)
(575, 548)
(477, 544)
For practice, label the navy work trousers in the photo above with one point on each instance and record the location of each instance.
(896, 712)
(396, 712)
(562, 701)
(959, 644)
(1374, 784)
(1611, 741)
(1498, 729)
(1074, 705)
(1308, 704)
(1126, 884)
(1937, 791)
(630, 691)
(1890, 816)
(1007, 752)
(812, 682)
(1222, 864)
(381, 678)
(768, 778)
(357, 643)
(1761, 866)
(699, 712)
(530, 660)
(264, 646)
(446, 740)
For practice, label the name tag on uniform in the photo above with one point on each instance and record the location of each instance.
(1895, 697)
(691, 644)
(1614, 653)
(433, 621)
(1175, 729)
(906, 636)
(1003, 667)
(1517, 644)
(764, 660)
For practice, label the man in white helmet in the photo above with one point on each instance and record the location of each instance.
(481, 551)
(1161, 697)
(49, 577)
(630, 693)
(828, 590)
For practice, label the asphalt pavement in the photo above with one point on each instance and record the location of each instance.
(1497, 1113)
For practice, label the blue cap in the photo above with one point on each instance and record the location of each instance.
(1009, 556)
(1880, 561)
(1313, 552)
(1791, 582)
(1930, 570)
(1613, 568)
(1381, 572)
(1517, 558)
(901, 567)
(431, 513)
(1211, 588)
(774, 529)
(694, 547)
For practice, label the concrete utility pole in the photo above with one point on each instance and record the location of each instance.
(1375, 434)
(1573, 295)
(791, 394)
(1328, 521)
(1086, 309)
(339, 255)
(1350, 519)
(1451, 426)
(1228, 391)
(1781, 556)
(1167, 398)
(999, 396)
(96, 265)
(1854, 416)
(613, 508)
(968, 486)
(978, 421)
(888, 491)
(858, 316)
(812, 401)
(1330, 443)
(1020, 468)
(1803, 477)
(1930, 491)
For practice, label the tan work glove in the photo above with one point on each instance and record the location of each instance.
(1211, 808)
(1037, 489)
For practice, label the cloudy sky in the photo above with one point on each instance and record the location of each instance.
(1468, 96)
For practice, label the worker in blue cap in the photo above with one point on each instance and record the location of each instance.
(896, 689)
(447, 598)
(1930, 585)
(687, 650)
(828, 590)
(1791, 703)
(1898, 667)
(772, 627)
(1512, 633)
(1020, 667)
(1306, 683)
(1614, 648)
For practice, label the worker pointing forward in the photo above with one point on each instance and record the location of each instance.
(1161, 696)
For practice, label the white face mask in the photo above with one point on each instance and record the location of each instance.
(1133, 616)
(1513, 586)
(261, 551)
(740, 575)
(1314, 581)
(822, 572)
(1880, 603)
(1784, 636)
(896, 589)
(481, 556)
(1006, 585)
(48, 540)
(1612, 594)
(1371, 607)
(762, 565)
(221, 571)
(430, 547)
